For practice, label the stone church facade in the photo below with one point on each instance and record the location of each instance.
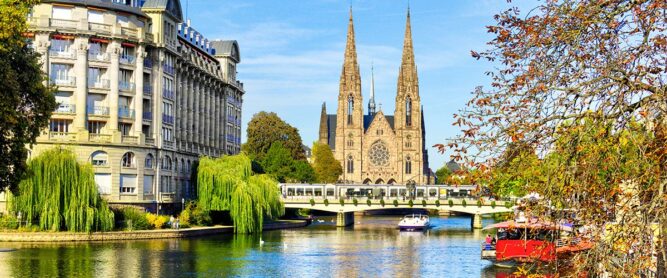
(376, 148)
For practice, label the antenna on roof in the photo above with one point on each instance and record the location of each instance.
(187, 5)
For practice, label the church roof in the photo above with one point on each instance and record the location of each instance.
(368, 119)
(331, 128)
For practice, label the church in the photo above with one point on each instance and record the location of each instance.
(377, 148)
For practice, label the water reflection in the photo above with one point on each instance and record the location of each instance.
(373, 247)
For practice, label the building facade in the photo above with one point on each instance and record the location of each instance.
(376, 148)
(142, 95)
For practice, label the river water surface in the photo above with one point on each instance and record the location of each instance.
(373, 247)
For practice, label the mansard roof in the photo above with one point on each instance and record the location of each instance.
(228, 48)
(172, 7)
(105, 4)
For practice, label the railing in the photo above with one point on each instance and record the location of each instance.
(62, 136)
(149, 36)
(63, 81)
(98, 110)
(63, 23)
(125, 86)
(149, 196)
(168, 144)
(129, 139)
(148, 89)
(167, 196)
(150, 141)
(168, 69)
(147, 116)
(102, 57)
(127, 59)
(233, 101)
(98, 84)
(99, 27)
(148, 63)
(65, 108)
(168, 94)
(168, 119)
(96, 137)
(126, 31)
(61, 54)
(125, 112)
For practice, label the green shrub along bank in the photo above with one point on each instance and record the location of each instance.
(8, 222)
(59, 193)
(194, 215)
(130, 219)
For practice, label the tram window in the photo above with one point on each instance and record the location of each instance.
(290, 192)
(392, 193)
(330, 191)
(299, 192)
(420, 192)
(432, 192)
(318, 192)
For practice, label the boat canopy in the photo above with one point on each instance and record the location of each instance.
(528, 225)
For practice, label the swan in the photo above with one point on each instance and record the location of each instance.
(261, 242)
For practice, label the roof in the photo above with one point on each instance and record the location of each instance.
(229, 48)
(173, 7)
(453, 166)
(524, 225)
(368, 119)
(105, 4)
(331, 126)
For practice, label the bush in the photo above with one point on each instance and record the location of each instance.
(355, 202)
(161, 222)
(342, 201)
(437, 203)
(479, 203)
(368, 202)
(312, 202)
(508, 205)
(424, 203)
(326, 202)
(463, 203)
(493, 204)
(451, 203)
(194, 216)
(382, 202)
(395, 202)
(8, 222)
(411, 203)
(131, 218)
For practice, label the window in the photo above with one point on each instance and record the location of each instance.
(128, 160)
(379, 132)
(408, 165)
(166, 163)
(175, 164)
(168, 108)
(379, 154)
(408, 142)
(95, 16)
(103, 182)
(148, 184)
(149, 161)
(60, 45)
(125, 76)
(59, 125)
(350, 109)
(94, 75)
(189, 165)
(61, 12)
(350, 142)
(183, 169)
(99, 158)
(350, 165)
(60, 72)
(95, 127)
(408, 111)
(96, 48)
(167, 135)
(128, 184)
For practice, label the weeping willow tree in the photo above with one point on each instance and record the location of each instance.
(228, 184)
(61, 194)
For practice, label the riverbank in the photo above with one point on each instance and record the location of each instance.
(142, 234)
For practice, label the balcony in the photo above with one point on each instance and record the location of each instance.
(168, 144)
(130, 32)
(99, 57)
(99, 27)
(149, 36)
(168, 69)
(63, 81)
(169, 119)
(96, 137)
(147, 116)
(129, 139)
(148, 63)
(98, 83)
(65, 108)
(150, 141)
(127, 59)
(98, 110)
(168, 94)
(167, 197)
(148, 89)
(125, 86)
(67, 54)
(125, 112)
(62, 136)
(63, 23)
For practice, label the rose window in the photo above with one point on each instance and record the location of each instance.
(379, 154)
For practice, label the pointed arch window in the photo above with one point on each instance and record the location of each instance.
(408, 165)
(350, 109)
(350, 165)
(408, 111)
(350, 141)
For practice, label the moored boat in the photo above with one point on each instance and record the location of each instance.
(414, 222)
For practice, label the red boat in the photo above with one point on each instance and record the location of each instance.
(531, 241)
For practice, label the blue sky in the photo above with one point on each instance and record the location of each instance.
(292, 54)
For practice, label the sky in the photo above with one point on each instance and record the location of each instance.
(292, 54)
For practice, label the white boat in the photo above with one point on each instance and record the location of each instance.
(414, 222)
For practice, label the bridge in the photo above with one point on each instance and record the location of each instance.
(345, 199)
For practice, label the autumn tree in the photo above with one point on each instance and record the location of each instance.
(264, 129)
(574, 78)
(327, 168)
(26, 103)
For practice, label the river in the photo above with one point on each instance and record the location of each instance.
(373, 247)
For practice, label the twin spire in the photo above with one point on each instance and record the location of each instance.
(407, 79)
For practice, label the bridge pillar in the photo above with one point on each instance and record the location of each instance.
(476, 221)
(344, 219)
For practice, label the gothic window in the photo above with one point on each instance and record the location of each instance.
(350, 109)
(149, 161)
(350, 165)
(128, 160)
(350, 142)
(408, 111)
(408, 165)
(379, 132)
(408, 142)
(379, 154)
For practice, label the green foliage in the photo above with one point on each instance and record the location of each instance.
(450, 203)
(342, 201)
(303, 172)
(26, 103)
(443, 174)
(194, 215)
(326, 202)
(157, 221)
(327, 168)
(424, 203)
(227, 184)
(368, 202)
(395, 203)
(131, 218)
(278, 162)
(479, 203)
(508, 204)
(60, 194)
(411, 203)
(437, 203)
(382, 202)
(312, 202)
(355, 201)
(464, 203)
(493, 204)
(264, 129)
(8, 222)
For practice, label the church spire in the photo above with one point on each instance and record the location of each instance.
(350, 77)
(324, 128)
(407, 77)
(371, 101)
